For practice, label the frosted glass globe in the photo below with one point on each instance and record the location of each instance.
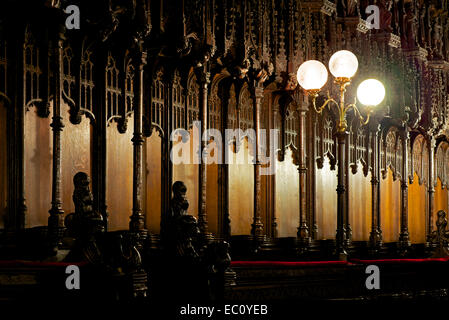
(343, 64)
(371, 92)
(312, 75)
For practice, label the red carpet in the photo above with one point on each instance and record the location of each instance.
(399, 260)
(286, 263)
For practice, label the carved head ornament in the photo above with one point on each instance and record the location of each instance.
(81, 180)
(179, 195)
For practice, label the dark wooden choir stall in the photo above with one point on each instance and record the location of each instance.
(100, 99)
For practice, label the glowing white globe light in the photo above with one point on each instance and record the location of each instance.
(371, 92)
(312, 75)
(343, 64)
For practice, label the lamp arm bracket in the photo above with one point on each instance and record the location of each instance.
(363, 121)
(328, 102)
(352, 106)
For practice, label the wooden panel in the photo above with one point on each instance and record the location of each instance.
(417, 197)
(360, 205)
(265, 199)
(241, 191)
(153, 172)
(390, 207)
(326, 201)
(3, 165)
(441, 201)
(213, 189)
(75, 155)
(287, 196)
(188, 173)
(38, 168)
(119, 166)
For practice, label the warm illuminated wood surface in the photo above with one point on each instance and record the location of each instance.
(38, 161)
(241, 191)
(212, 200)
(287, 187)
(119, 176)
(326, 201)
(76, 142)
(188, 173)
(153, 180)
(360, 205)
(390, 195)
(417, 202)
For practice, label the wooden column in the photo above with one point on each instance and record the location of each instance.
(11, 127)
(275, 110)
(271, 181)
(137, 221)
(55, 221)
(431, 188)
(203, 79)
(303, 228)
(16, 155)
(226, 220)
(347, 225)
(99, 149)
(404, 238)
(375, 239)
(311, 174)
(341, 197)
(225, 226)
(167, 165)
(257, 225)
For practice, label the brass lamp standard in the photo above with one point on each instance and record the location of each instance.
(312, 76)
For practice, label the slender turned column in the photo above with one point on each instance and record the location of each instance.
(137, 223)
(168, 125)
(55, 221)
(432, 145)
(257, 226)
(404, 238)
(303, 229)
(225, 220)
(226, 224)
(347, 224)
(341, 190)
(312, 177)
(375, 239)
(99, 152)
(203, 79)
(16, 129)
